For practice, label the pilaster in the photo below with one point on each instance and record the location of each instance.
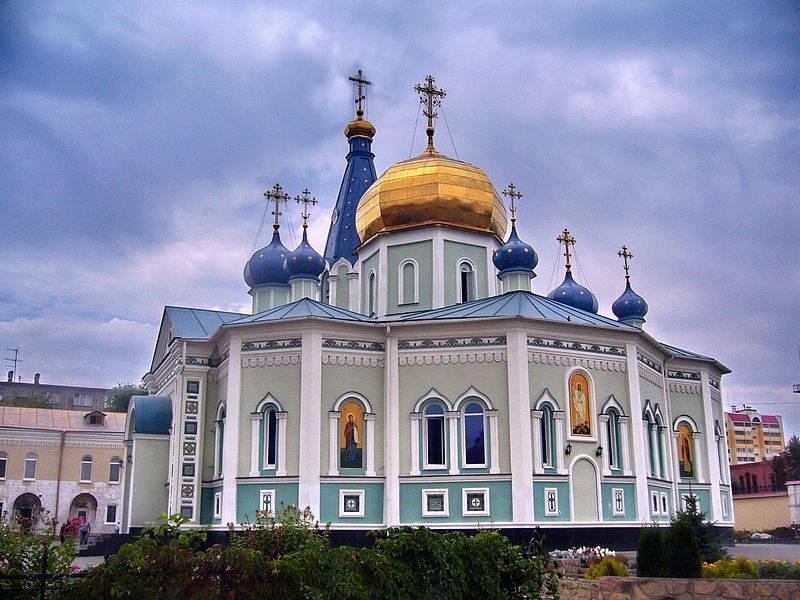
(711, 450)
(519, 406)
(639, 443)
(230, 444)
(391, 449)
(310, 426)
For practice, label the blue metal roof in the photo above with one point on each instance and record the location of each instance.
(681, 353)
(151, 414)
(304, 307)
(198, 322)
(517, 304)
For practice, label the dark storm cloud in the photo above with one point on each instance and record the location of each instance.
(137, 141)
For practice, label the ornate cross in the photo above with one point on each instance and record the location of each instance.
(276, 195)
(361, 86)
(625, 255)
(305, 199)
(566, 239)
(430, 97)
(512, 193)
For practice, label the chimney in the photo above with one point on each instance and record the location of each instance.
(36, 379)
(11, 377)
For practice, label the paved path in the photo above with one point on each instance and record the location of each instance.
(766, 551)
(87, 562)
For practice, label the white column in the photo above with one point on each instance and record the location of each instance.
(605, 442)
(558, 417)
(793, 487)
(416, 422)
(713, 465)
(639, 443)
(391, 448)
(333, 442)
(382, 300)
(519, 407)
(255, 426)
(676, 474)
(230, 443)
(438, 269)
(538, 464)
(624, 429)
(698, 463)
(354, 290)
(369, 425)
(280, 422)
(665, 454)
(310, 426)
(217, 464)
(452, 426)
(332, 280)
(494, 464)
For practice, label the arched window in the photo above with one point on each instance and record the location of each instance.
(86, 468)
(31, 461)
(474, 435)
(3, 463)
(547, 439)
(219, 440)
(434, 434)
(407, 282)
(658, 429)
(651, 454)
(466, 282)
(613, 437)
(115, 470)
(685, 442)
(371, 294)
(269, 436)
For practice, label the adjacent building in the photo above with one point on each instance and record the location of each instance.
(70, 397)
(753, 437)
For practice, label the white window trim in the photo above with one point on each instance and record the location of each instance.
(547, 512)
(342, 513)
(474, 291)
(725, 508)
(664, 503)
(89, 462)
(116, 511)
(446, 503)
(614, 511)
(401, 283)
(119, 472)
(265, 434)
(267, 494)
(655, 503)
(435, 466)
(372, 293)
(463, 416)
(217, 505)
(475, 513)
(548, 418)
(35, 469)
(4, 460)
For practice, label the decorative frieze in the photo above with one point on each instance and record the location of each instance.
(646, 360)
(198, 361)
(684, 388)
(271, 345)
(106, 445)
(351, 360)
(538, 342)
(654, 378)
(452, 343)
(28, 442)
(452, 358)
(271, 360)
(564, 360)
(353, 345)
(686, 375)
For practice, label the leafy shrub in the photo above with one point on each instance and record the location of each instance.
(652, 559)
(608, 566)
(742, 568)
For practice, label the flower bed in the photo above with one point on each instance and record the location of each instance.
(742, 568)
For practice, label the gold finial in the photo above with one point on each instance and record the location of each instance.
(625, 255)
(276, 195)
(566, 239)
(305, 199)
(430, 97)
(361, 86)
(512, 193)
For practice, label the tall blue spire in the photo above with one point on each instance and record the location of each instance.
(358, 176)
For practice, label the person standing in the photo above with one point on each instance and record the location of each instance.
(84, 531)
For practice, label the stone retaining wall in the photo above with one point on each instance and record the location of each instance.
(645, 588)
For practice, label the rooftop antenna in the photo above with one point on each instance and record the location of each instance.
(13, 361)
(796, 386)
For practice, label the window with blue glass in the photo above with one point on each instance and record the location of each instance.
(474, 435)
(270, 437)
(434, 434)
(546, 442)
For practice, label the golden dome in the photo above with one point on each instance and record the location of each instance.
(431, 189)
(359, 127)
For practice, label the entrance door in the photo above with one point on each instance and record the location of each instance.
(584, 491)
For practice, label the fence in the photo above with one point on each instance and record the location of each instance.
(39, 584)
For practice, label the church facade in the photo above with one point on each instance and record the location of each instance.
(410, 377)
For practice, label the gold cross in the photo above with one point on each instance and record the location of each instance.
(276, 195)
(512, 193)
(568, 241)
(625, 255)
(305, 200)
(430, 97)
(361, 85)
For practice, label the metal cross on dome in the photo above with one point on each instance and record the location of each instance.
(361, 86)
(276, 195)
(430, 97)
(625, 254)
(566, 239)
(305, 199)
(512, 193)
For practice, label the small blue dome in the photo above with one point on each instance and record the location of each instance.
(304, 261)
(630, 305)
(515, 255)
(574, 294)
(266, 265)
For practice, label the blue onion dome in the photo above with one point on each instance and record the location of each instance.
(515, 255)
(266, 265)
(574, 294)
(304, 261)
(630, 305)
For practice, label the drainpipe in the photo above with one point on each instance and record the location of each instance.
(58, 477)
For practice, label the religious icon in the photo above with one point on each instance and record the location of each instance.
(351, 442)
(685, 451)
(580, 405)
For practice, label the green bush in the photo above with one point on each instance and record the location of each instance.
(652, 559)
(684, 555)
(609, 566)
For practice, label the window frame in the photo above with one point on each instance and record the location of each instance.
(30, 457)
(427, 465)
(343, 493)
(114, 520)
(115, 461)
(3, 464)
(664, 503)
(401, 285)
(484, 422)
(655, 503)
(445, 493)
(372, 296)
(465, 506)
(547, 437)
(556, 510)
(217, 505)
(472, 281)
(262, 494)
(618, 512)
(269, 411)
(86, 460)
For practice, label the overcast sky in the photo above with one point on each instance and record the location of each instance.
(137, 139)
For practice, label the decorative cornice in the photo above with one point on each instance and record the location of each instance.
(28, 442)
(538, 342)
(655, 379)
(564, 360)
(452, 343)
(271, 360)
(271, 345)
(351, 360)
(646, 360)
(353, 345)
(200, 361)
(452, 358)
(111, 445)
(687, 375)
(685, 388)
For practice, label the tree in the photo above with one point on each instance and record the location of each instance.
(119, 396)
(32, 401)
(786, 465)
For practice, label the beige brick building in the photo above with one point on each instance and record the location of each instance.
(753, 437)
(65, 461)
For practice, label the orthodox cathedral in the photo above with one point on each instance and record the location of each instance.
(409, 376)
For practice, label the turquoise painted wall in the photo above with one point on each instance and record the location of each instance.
(422, 253)
(373, 503)
(539, 502)
(670, 508)
(207, 505)
(704, 496)
(499, 502)
(630, 501)
(453, 252)
(248, 495)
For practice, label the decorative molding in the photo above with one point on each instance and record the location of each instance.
(685, 388)
(353, 345)
(118, 446)
(563, 360)
(452, 358)
(579, 346)
(271, 345)
(452, 343)
(714, 383)
(199, 361)
(687, 375)
(29, 442)
(271, 360)
(646, 360)
(715, 395)
(655, 379)
(351, 360)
